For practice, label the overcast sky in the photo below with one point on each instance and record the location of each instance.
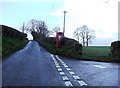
(99, 15)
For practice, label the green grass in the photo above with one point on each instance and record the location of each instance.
(96, 50)
(92, 53)
(11, 45)
(97, 53)
(66, 51)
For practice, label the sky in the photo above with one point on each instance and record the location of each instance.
(99, 15)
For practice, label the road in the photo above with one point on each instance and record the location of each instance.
(34, 66)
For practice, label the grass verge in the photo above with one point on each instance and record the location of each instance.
(11, 45)
(97, 53)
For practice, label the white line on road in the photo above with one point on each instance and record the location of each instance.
(65, 66)
(99, 66)
(68, 69)
(82, 83)
(65, 78)
(62, 73)
(76, 77)
(72, 73)
(57, 66)
(68, 83)
(59, 69)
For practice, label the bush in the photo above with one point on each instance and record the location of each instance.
(115, 48)
(11, 45)
(12, 33)
(73, 45)
(70, 47)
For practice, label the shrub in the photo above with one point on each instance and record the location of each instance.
(13, 33)
(115, 48)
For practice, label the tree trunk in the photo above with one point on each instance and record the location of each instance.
(83, 41)
(87, 42)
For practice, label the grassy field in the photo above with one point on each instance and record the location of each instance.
(11, 45)
(97, 53)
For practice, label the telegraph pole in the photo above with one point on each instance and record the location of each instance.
(64, 22)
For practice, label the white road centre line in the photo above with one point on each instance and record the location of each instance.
(65, 66)
(53, 57)
(99, 66)
(82, 83)
(68, 69)
(57, 66)
(58, 57)
(62, 73)
(68, 83)
(65, 78)
(62, 62)
(59, 69)
(76, 77)
(72, 73)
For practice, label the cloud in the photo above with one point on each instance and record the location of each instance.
(96, 14)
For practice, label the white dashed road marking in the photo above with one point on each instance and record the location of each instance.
(71, 72)
(62, 73)
(64, 77)
(68, 83)
(59, 69)
(99, 66)
(68, 69)
(82, 83)
(57, 66)
(76, 77)
(65, 66)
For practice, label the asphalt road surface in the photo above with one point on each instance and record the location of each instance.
(34, 66)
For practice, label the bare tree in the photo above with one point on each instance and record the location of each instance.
(77, 34)
(55, 30)
(85, 34)
(37, 26)
(90, 35)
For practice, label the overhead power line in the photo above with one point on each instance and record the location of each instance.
(52, 6)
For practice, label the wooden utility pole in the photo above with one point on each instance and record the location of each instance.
(64, 22)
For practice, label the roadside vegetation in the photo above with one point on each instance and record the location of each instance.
(91, 53)
(73, 49)
(12, 41)
(97, 53)
(11, 45)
